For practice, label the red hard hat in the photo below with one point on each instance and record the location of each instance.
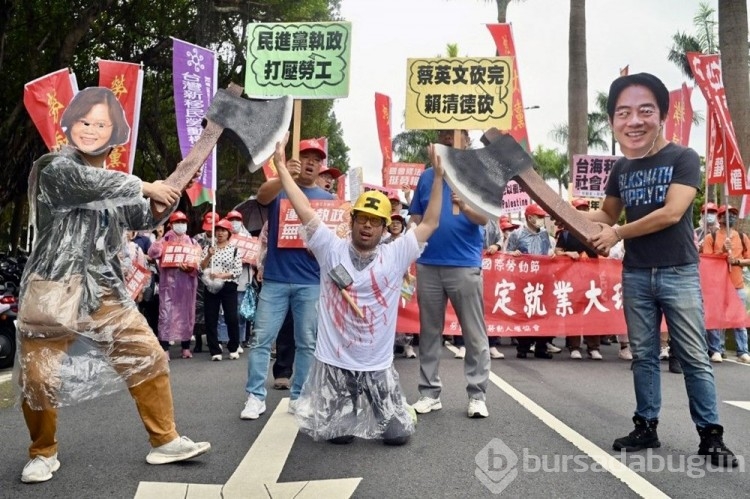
(234, 215)
(724, 209)
(177, 216)
(579, 202)
(208, 218)
(224, 224)
(709, 207)
(535, 209)
(312, 145)
(333, 172)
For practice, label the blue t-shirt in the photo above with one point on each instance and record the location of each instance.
(458, 241)
(290, 265)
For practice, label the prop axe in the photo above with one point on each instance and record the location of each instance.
(254, 125)
(343, 280)
(479, 177)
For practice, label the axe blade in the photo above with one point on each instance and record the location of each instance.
(254, 125)
(479, 177)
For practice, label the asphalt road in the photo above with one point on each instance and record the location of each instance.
(549, 435)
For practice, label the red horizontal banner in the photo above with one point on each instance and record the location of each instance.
(556, 296)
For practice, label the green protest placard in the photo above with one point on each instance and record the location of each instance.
(304, 60)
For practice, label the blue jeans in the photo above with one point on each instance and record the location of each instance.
(222, 329)
(273, 303)
(675, 293)
(715, 337)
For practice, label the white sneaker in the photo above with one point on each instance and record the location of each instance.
(553, 349)
(744, 358)
(240, 350)
(409, 352)
(477, 409)
(532, 348)
(716, 357)
(179, 449)
(595, 355)
(216, 358)
(461, 353)
(427, 404)
(292, 409)
(234, 355)
(496, 354)
(576, 355)
(625, 354)
(254, 407)
(40, 469)
(664, 354)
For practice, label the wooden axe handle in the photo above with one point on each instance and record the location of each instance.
(188, 167)
(354, 306)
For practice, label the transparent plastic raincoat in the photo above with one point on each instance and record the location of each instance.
(79, 213)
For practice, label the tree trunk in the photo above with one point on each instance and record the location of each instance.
(577, 81)
(733, 35)
(502, 11)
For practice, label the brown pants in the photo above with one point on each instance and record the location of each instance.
(574, 342)
(126, 335)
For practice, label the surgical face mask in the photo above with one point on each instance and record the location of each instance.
(711, 218)
(732, 220)
(236, 225)
(539, 223)
(179, 228)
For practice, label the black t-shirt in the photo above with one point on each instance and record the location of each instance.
(641, 185)
(568, 242)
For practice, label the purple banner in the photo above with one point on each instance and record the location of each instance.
(194, 71)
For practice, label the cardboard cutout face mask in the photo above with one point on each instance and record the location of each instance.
(94, 121)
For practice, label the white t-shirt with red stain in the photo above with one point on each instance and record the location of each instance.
(346, 340)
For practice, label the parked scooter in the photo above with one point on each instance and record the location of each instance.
(8, 313)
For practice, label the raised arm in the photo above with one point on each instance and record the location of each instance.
(298, 199)
(431, 219)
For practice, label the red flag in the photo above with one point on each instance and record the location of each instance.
(715, 166)
(125, 80)
(45, 100)
(503, 36)
(707, 73)
(680, 116)
(383, 122)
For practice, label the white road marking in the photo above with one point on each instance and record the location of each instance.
(740, 404)
(607, 461)
(258, 473)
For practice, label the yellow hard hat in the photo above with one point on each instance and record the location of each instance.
(375, 203)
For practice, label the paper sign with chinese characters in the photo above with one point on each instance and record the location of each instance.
(459, 93)
(247, 247)
(304, 60)
(590, 174)
(176, 254)
(334, 213)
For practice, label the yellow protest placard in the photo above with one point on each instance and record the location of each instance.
(461, 92)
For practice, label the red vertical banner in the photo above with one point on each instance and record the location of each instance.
(383, 123)
(680, 116)
(503, 36)
(707, 73)
(45, 99)
(123, 78)
(715, 166)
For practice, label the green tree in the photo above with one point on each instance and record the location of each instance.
(502, 9)
(733, 43)
(553, 165)
(38, 37)
(704, 40)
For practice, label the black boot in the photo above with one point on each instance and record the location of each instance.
(642, 437)
(712, 446)
(674, 365)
